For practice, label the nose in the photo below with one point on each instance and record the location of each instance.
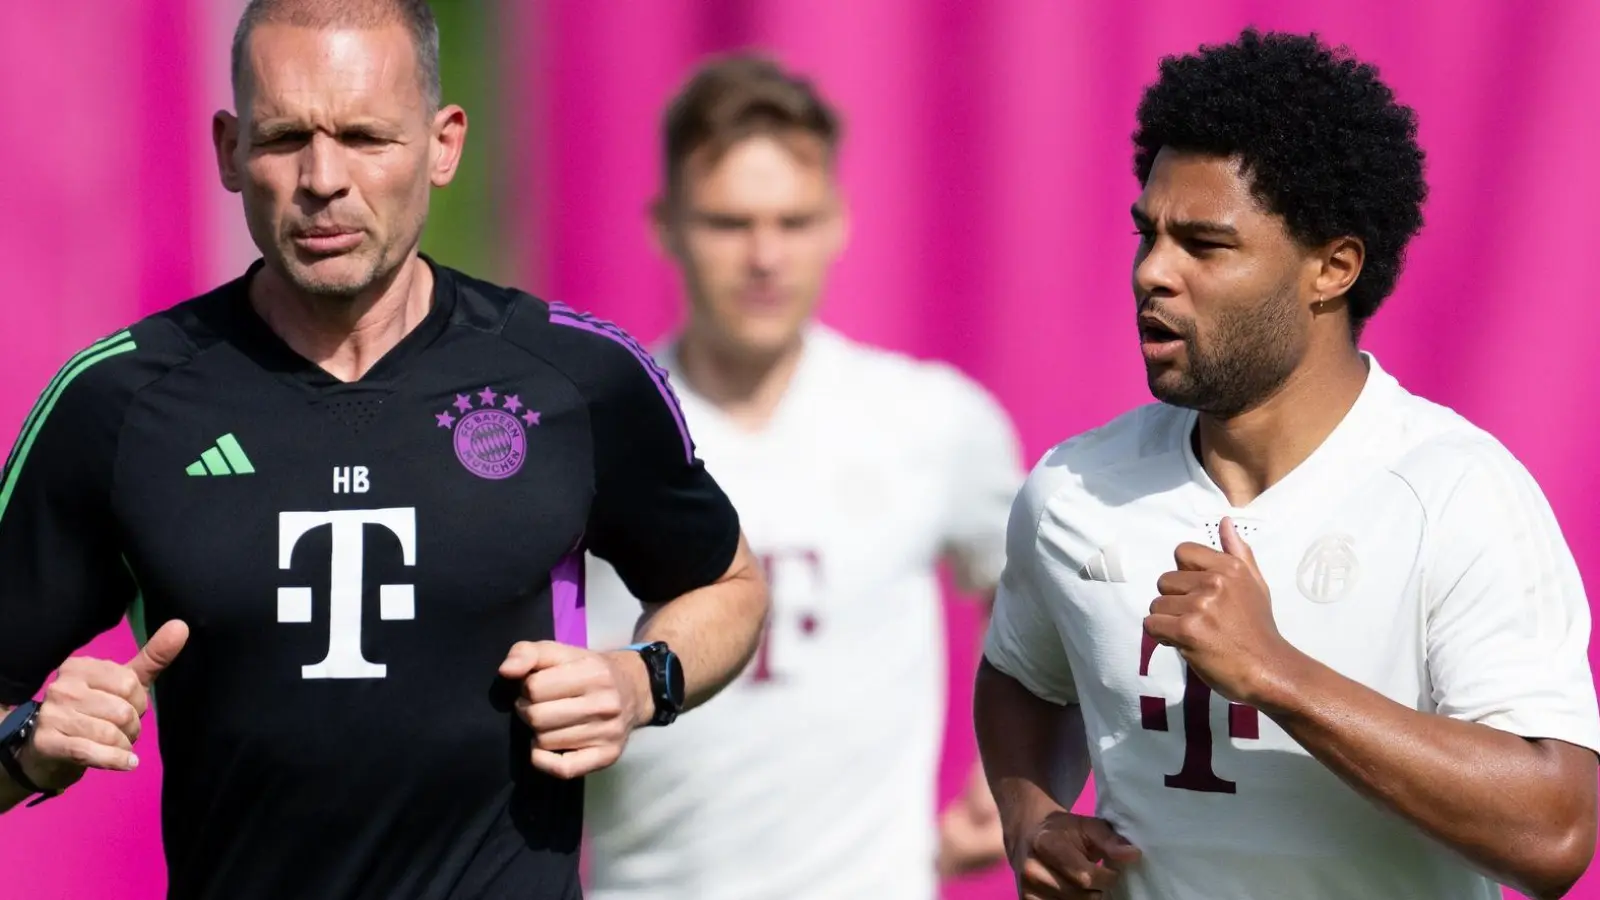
(323, 171)
(1155, 271)
(766, 248)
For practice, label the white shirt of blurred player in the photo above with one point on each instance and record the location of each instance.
(1411, 552)
(814, 775)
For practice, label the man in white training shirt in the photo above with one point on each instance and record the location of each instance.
(857, 471)
(1316, 637)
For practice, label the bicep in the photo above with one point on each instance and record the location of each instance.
(658, 516)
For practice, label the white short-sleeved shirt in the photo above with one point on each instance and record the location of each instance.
(814, 774)
(1411, 552)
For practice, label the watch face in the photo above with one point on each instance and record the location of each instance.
(16, 725)
(674, 680)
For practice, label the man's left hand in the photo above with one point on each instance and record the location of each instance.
(970, 834)
(581, 704)
(1216, 610)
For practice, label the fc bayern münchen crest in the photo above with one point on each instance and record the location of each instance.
(490, 437)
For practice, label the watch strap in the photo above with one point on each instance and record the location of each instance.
(8, 753)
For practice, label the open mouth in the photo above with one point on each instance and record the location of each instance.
(1152, 331)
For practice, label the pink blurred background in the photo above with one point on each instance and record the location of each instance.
(988, 168)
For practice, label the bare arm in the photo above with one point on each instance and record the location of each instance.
(713, 630)
(1034, 752)
(1523, 810)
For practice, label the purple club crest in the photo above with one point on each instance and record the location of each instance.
(489, 438)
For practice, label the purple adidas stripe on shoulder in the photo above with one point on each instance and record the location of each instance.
(561, 314)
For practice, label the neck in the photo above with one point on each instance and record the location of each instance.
(1250, 452)
(345, 336)
(745, 387)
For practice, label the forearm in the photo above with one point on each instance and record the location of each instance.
(1034, 752)
(1521, 810)
(714, 630)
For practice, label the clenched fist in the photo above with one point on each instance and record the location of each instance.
(581, 704)
(1070, 857)
(1216, 610)
(90, 715)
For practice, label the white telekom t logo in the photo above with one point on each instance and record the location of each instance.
(395, 601)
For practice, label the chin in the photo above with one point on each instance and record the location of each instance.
(337, 276)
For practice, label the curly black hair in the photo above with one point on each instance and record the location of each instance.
(1323, 141)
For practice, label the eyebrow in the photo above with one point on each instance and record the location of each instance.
(273, 128)
(1189, 227)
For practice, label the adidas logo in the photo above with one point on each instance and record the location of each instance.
(1106, 566)
(225, 458)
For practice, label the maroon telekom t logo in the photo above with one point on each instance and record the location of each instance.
(1196, 774)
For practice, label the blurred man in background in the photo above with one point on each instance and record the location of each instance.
(349, 493)
(855, 471)
(1317, 637)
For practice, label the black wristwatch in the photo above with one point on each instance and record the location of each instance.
(666, 680)
(15, 731)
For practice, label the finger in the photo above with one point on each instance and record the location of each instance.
(1176, 607)
(554, 715)
(104, 676)
(576, 678)
(1107, 844)
(1192, 557)
(1166, 629)
(1232, 543)
(159, 651)
(1066, 876)
(84, 751)
(574, 763)
(578, 737)
(109, 708)
(527, 657)
(1185, 581)
(1235, 546)
(78, 725)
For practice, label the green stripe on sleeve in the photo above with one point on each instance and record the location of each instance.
(77, 366)
(39, 405)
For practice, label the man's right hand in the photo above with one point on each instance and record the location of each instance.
(1068, 857)
(89, 717)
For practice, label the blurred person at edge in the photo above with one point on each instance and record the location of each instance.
(856, 472)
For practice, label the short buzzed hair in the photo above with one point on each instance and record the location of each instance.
(415, 15)
(734, 97)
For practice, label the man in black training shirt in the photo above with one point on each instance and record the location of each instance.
(348, 497)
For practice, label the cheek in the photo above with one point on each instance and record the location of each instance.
(714, 263)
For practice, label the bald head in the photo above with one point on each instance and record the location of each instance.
(414, 15)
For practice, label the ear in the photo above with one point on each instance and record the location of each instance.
(663, 226)
(840, 238)
(449, 139)
(1338, 266)
(225, 140)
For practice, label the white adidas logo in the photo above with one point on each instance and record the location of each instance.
(1106, 565)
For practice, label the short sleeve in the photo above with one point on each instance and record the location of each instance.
(1024, 640)
(658, 517)
(986, 473)
(62, 578)
(1508, 621)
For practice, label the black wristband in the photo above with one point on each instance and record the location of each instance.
(13, 765)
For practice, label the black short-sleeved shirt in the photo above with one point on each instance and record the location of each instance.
(354, 561)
